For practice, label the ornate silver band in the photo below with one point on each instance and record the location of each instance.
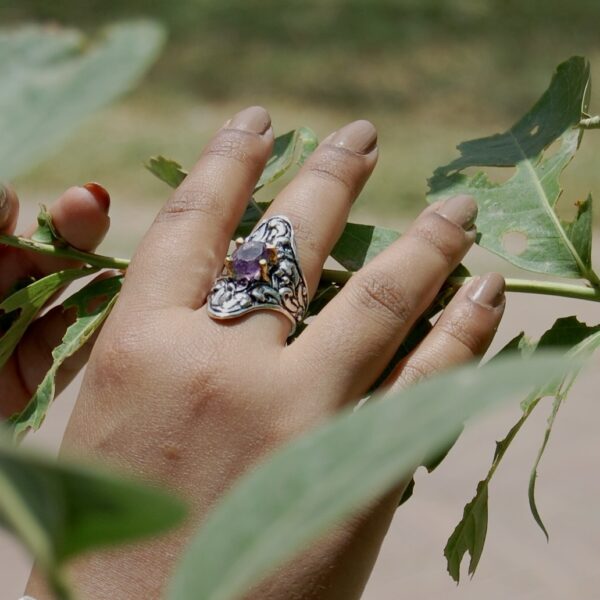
(263, 273)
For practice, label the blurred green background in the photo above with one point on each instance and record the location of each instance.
(428, 73)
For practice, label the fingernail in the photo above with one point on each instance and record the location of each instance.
(255, 119)
(461, 210)
(100, 194)
(488, 290)
(360, 137)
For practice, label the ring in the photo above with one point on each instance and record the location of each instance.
(262, 273)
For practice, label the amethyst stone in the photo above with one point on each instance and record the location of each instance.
(246, 260)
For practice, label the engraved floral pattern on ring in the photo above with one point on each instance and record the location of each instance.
(262, 273)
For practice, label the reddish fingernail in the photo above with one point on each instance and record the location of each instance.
(461, 210)
(488, 290)
(360, 136)
(100, 194)
(255, 119)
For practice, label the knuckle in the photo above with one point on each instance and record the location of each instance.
(416, 369)
(191, 200)
(120, 353)
(446, 240)
(380, 296)
(339, 166)
(240, 146)
(463, 329)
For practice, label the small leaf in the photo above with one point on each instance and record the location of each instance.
(167, 170)
(571, 329)
(470, 533)
(581, 340)
(252, 215)
(46, 232)
(524, 207)
(59, 510)
(580, 231)
(27, 303)
(320, 479)
(53, 78)
(291, 148)
(93, 304)
(359, 243)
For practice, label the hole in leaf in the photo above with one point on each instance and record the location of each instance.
(514, 242)
(534, 130)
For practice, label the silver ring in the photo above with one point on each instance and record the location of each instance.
(262, 273)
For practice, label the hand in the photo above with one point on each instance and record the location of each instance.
(80, 215)
(192, 402)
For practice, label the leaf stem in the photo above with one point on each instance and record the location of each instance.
(95, 260)
(590, 123)
(528, 286)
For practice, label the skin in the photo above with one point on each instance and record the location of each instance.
(192, 403)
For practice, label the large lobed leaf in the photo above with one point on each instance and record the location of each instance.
(525, 205)
(328, 474)
(577, 340)
(60, 510)
(52, 79)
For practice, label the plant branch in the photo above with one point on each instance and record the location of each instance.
(529, 286)
(95, 260)
(590, 123)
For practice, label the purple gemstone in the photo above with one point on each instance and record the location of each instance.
(246, 260)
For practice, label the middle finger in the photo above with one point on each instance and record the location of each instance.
(317, 203)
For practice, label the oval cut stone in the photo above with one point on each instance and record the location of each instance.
(246, 259)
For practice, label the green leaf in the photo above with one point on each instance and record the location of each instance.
(27, 303)
(318, 480)
(46, 232)
(358, 244)
(524, 206)
(470, 533)
(566, 333)
(52, 79)
(469, 536)
(252, 215)
(59, 510)
(93, 304)
(570, 329)
(291, 148)
(167, 170)
(580, 231)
